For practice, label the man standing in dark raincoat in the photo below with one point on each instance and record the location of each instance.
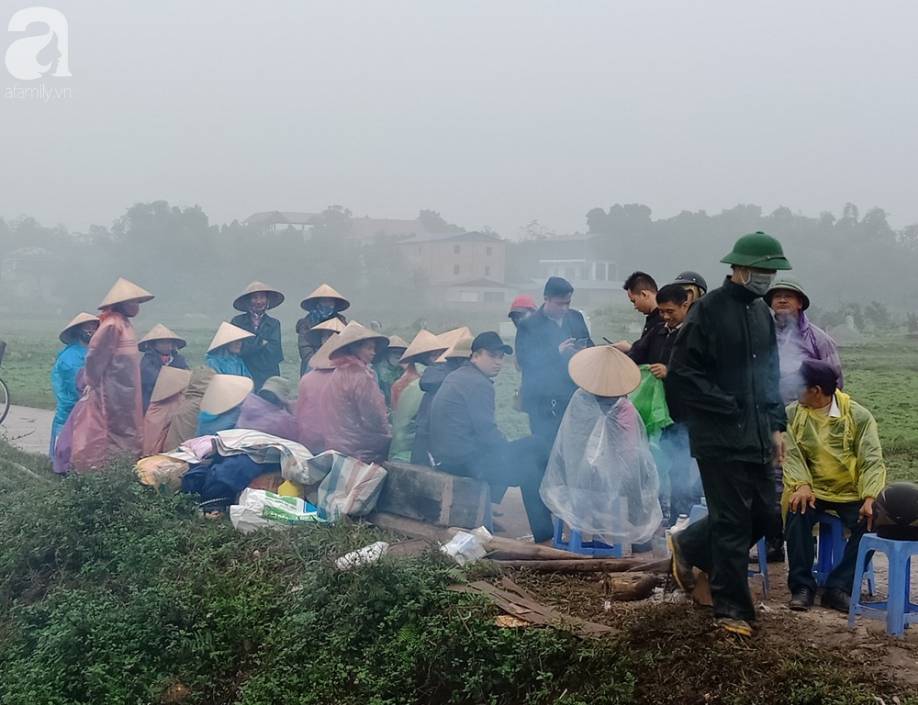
(263, 353)
(724, 373)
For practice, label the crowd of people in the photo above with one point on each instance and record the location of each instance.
(754, 419)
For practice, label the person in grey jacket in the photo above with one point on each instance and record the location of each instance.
(465, 439)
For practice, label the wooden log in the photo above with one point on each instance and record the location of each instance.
(434, 496)
(627, 587)
(576, 565)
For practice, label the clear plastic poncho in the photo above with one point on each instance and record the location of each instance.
(601, 478)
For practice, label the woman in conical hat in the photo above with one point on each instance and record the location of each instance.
(601, 478)
(222, 402)
(224, 352)
(318, 334)
(184, 423)
(75, 336)
(160, 348)
(355, 418)
(388, 366)
(268, 410)
(264, 352)
(309, 418)
(321, 305)
(108, 420)
(424, 350)
(165, 399)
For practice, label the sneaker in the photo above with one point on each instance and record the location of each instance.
(681, 568)
(836, 599)
(740, 627)
(802, 599)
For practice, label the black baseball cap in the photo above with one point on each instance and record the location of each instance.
(492, 342)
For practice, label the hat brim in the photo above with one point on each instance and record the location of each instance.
(340, 303)
(275, 299)
(505, 349)
(803, 297)
(145, 345)
(775, 264)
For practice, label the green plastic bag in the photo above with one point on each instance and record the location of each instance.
(650, 401)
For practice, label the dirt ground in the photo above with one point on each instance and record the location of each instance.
(28, 429)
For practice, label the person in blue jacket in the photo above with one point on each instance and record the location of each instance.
(224, 353)
(69, 362)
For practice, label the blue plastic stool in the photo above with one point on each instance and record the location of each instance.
(831, 549)
(576, 544)
(898, 610)
(700, 511)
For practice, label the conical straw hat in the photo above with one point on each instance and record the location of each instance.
(78, 320)
(228, 333)
(320, 360)
(333, 324)
(424, 342)
(170, 382)
(225, 392)
(462, 348)
(451, 337)
(326, 292)
(275, 298)
(397, 343)
(124, 291)
(160, 332)
(353, 333)
(604, 371)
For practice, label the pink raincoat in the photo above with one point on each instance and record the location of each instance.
(354, 412)
(156, 423)
(108, 419)
(259, 414)
(308, 413)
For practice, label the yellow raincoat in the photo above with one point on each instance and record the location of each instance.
(839, 458)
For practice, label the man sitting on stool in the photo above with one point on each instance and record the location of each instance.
(834, 463)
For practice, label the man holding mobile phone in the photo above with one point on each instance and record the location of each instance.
(545, 342)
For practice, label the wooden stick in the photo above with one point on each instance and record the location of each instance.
(576, 565)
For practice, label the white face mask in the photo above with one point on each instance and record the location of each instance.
(759, 282)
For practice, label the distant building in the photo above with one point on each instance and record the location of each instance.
(267, 221)
(464, 269)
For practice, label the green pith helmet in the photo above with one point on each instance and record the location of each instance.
(758, 250)
(788, 284)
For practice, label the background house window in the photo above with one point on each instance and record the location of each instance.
(489, 251)
(456, 249)
(455, 269)
(487, 271)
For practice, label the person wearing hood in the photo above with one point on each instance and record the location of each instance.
(160, 348)
(268, 410)
(799, 339)
(389, 368)
(224, 354)
(309, 417)
(429, 384)
(724, 373)
(108, 419)
(424, 350)
(67, 365)
(354, 416)
(601, 478)
(321, 305)
(165, 399)
(222, 403)
(263, 352)
(183, 424)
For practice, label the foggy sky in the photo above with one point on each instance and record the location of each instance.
(494, 112)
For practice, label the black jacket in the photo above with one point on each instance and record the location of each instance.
(150, 365)
(651, 321)
(724, 375)
(263, 353)
(463, 423)
(307, 349)
(655, 346)
(544, 369)
(430, 383)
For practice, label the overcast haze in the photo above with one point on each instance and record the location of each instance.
(494, 113)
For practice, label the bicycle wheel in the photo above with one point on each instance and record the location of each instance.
(4, 401)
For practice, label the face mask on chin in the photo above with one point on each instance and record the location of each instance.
(759, 282)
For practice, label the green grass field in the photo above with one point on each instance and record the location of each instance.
(882, 375)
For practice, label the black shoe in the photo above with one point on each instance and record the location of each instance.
(836, 599)
(801, 599)
(775, 552)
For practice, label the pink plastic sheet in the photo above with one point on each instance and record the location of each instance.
(108, 419)
(308, 412)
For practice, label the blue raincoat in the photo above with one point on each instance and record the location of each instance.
(69, 362)
(224, 362)
(209, 424)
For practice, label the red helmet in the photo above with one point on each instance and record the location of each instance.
(523, 302)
